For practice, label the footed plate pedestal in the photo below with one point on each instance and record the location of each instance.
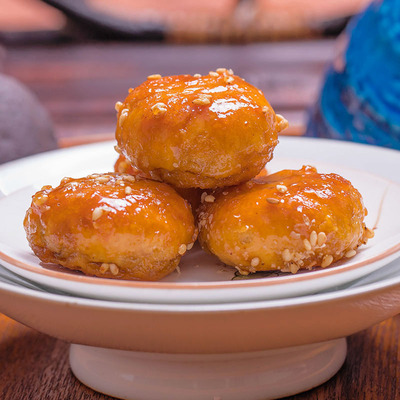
(259, 375)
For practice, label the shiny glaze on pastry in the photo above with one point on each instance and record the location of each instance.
(111, 225)
(198, 131)
(290, 220)
(192, 195)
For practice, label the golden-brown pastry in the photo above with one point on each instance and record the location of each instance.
(111, 225)
(123, 166)
(192, 195)
(198, 131)
(286, 221)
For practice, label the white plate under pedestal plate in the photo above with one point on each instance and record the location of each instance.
(251, 350)
(243, 347)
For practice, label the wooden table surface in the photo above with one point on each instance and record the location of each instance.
(79, 84)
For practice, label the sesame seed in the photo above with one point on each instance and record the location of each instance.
(307, 244)
(114, 269)
(203, 196)
(118, 106)
(326, 261)
(229, 71)
(213, 73)
(159, 108)
(281, 123)
(123, 116)
(242, 271)
(313, 238)
(350, 253)
(189, 246)
(104, 268)
(294, 268)
(281, 188)
(286, 255)
(224, 193)
(128, 190)
(197, 76)
(321, 238)
(209, 198)
(255, 261)
(117, 149)
(201, 101)
(178, 269)
(265, 109)
(97, 213)
(221, 70)
(154, 76)
(130, 178)
(182, 249)
(369, 233)
(102, 179)
(175, 165)
(272, 200)
(228, 80)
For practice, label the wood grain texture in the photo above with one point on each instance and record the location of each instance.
(34, 366)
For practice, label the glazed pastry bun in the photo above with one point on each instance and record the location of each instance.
(111, 225)
(197, 131)
(286, 221)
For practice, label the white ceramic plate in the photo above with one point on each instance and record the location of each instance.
(203, 279)
(204, 328)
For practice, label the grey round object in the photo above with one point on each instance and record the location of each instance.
(25, 126)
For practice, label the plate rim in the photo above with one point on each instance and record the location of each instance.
(300, 301)
(245, 283)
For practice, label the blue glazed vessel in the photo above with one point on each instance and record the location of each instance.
(360, 97)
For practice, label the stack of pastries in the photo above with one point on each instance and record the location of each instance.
(192, 155)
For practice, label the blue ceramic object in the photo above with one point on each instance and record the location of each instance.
(360, 98)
